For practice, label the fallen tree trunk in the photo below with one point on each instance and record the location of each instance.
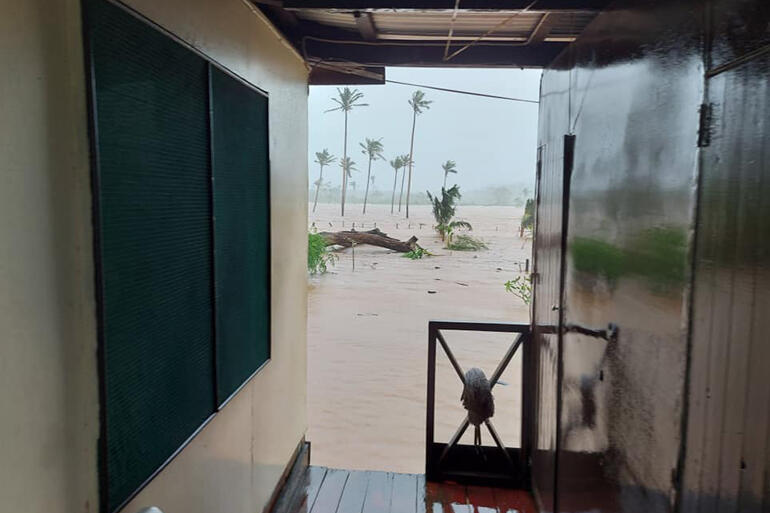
(372, 237)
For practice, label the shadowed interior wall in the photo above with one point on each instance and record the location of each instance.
(631, 88)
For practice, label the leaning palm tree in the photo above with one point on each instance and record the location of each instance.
(322, 158)
(348, 166)
(397, 163)
(448, 167)
(347, 100)
(418, 103)
(405, 160)
(373, 149)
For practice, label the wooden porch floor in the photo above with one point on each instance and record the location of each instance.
(324, 490)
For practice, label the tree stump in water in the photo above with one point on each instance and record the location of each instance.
(373, 237)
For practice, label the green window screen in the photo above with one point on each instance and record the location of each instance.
(241, 230)
(154, 190)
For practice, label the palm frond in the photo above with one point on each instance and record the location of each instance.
(460, 224)
(444, 207)
(419, 103)
(324, 158)
(348, 166)
(373, 148)
(449, 167)
(347, 99)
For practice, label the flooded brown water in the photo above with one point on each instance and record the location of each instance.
(368, 330)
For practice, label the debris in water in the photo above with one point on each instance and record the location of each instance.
(461, 283)
(431, 292)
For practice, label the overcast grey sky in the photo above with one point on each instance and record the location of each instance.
(492, 141)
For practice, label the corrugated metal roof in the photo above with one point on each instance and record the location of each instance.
(510, 25)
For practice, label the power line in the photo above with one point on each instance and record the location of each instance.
(463, 92)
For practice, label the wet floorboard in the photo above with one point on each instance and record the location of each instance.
(322, 490)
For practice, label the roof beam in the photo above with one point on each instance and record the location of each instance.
(498, 5)
(365, 25)
(322, 74)
(431, 54)
(543, 28)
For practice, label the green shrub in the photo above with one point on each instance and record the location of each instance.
(417, 253)
(521, 287)
(318, 256)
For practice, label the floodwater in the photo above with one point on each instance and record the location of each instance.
(368, 332)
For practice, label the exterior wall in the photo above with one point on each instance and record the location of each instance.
(632, 93)
(48, 378)
(727, 465)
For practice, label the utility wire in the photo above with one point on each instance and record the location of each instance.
(462, 92)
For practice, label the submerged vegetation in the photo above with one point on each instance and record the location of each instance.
(417, 253)
(319, 258)
(521, 287)
(443, 212)
(464, 242)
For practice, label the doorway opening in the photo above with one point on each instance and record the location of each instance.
(369, 306)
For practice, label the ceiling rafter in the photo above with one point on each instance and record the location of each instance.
(365, 25)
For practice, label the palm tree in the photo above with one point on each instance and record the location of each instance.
(405, 160)
(397, 163)
(448, 167)
(322, 158)
(345, 103)
(373, 149)
(418, 103)
(348, 166)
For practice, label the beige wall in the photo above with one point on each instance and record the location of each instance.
(48, 393)
(48, 384)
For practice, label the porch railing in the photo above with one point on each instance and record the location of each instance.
(494, 465)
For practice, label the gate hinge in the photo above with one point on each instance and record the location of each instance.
(704, 128)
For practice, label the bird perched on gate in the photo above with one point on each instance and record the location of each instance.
(477, 399)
